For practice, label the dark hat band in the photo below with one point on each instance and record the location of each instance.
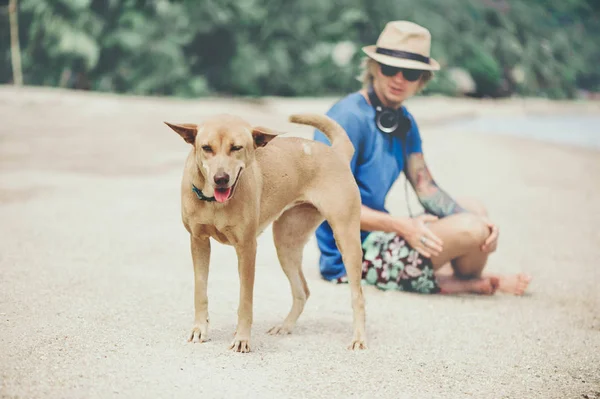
(402, 54)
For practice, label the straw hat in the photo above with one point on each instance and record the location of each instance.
(403, 44)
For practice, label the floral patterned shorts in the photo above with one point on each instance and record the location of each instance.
(390, 263)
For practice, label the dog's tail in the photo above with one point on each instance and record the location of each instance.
(334, 132)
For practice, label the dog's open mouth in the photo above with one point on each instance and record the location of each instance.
(222, 194)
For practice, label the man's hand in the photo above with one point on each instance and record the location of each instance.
(491, 243)
(419, 236)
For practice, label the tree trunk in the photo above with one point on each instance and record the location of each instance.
(15, 48)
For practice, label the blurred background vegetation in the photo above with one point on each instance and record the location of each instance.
(487, 48)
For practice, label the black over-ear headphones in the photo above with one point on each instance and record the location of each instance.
(389, 120)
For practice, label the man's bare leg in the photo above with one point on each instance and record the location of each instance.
(472, 262)
(463, 235)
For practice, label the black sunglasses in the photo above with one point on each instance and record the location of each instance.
(412, 75)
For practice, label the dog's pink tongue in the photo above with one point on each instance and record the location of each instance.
(222, 195)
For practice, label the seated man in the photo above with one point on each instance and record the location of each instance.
(407, 253)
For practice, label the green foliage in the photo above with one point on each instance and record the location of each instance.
(310, 47)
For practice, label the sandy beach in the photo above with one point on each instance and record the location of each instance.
(96, 280)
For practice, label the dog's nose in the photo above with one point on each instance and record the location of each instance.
(221, 179)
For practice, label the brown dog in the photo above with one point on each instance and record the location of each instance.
(238, 179)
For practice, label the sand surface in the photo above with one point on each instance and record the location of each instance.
(96, 283)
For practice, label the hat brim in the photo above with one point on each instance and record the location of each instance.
(400, 62)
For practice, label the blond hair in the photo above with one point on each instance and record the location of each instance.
(368, 69)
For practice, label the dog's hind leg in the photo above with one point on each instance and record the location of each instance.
(291, 233)
(345, 223)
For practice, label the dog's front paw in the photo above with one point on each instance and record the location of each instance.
(240, 344)
(199, 334)
(280, 330)
(357, 344)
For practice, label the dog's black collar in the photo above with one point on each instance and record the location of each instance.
(201, 196)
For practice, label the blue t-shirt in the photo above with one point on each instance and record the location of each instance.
(377, 162)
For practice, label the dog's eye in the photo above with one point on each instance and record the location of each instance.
(207, 148)
(236, 147)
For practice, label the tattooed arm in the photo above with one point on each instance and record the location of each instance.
(435, 200)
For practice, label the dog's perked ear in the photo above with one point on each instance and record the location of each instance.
(262, 135)
(186, 130)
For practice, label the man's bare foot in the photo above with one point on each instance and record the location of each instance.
(484, 285)
(515, 284)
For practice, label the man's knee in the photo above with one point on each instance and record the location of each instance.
(472, 229)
